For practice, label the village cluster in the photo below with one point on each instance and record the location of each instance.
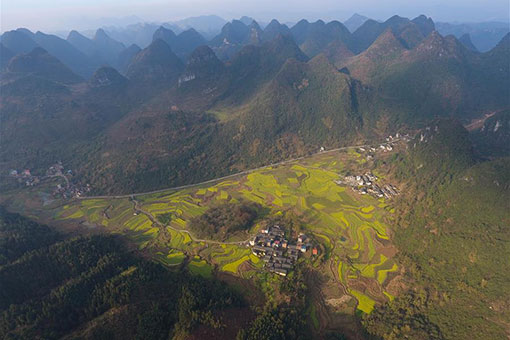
(71, 190)
(402, 137)
(25, 177)
(365, 184)
(68, 190)
(384, 147)
(277, 252)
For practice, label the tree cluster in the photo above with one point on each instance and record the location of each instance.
(222, 221)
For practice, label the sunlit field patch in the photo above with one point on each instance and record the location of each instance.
(76, 214)
(382, 274)
(198, 266)
(365, 303)
(174, 258)
(233, 266)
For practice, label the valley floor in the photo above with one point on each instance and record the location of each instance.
(354, 268)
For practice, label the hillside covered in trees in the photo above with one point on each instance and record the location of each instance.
(185, 109)
(452, 233)
(92, 288)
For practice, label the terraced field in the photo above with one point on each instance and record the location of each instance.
(351, 228)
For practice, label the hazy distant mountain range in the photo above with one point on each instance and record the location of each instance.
(355, 21)
(186, 108)
(483, 35)
(132, 30)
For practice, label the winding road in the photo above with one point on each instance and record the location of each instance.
(237, 173)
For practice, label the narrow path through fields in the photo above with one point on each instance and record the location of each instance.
(136, 207)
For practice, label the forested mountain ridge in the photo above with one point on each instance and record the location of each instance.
(41, 64)
(24, 41)
(157, 64)
(439, 75)
(140, 124)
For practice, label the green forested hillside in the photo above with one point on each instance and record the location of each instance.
(92, 288)
(303, 107)
(453, 241)
(438, 77)
(410, 32)
(492, 138)
(19, 235)
(155, 66)
(40, 63)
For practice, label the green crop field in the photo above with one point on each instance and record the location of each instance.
(200, 267)
(232, 266)
(174, 258)
(365, 303)
(351, 228)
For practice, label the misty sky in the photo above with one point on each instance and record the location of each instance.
(54, 15)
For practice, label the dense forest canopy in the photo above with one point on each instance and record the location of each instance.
(92, 287)
(225, 220)
(452, 234)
